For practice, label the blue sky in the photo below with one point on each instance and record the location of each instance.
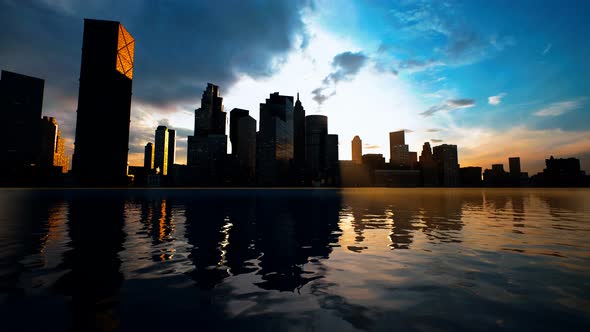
(497, 78)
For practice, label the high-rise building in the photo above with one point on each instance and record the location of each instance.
(104, 104)
(332, 160)
(514, 166)
(207, 148)
(413, 159)
(357, 150)
(428, 167)
(210, 118)
(161, 150)
(48, 141)
(171, 148)
(51, 146)
(21, 100)
(298, 132)
(148, 157)
(448, 166)
(399, 154)
(316, 132)
(242, 131)
(274, 143)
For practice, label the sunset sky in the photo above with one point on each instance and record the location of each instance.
(496, 78)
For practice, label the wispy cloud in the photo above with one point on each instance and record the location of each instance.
(559, 108)
(449, 105)
(371, 146)
(497, 99)
(547, 49)
(319, 96)
(346, 65)
(433, 130)
(436, 140)
(417, 65)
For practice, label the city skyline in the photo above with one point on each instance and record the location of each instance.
(399, 72)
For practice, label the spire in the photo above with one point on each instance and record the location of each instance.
(297, 96)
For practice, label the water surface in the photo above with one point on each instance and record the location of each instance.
(295, 260)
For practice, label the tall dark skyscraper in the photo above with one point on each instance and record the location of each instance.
(447, 163)
(104, 104)
(171, 148)
(274, 142)
(428, 167)
(298, 132)
(148, 158)
(514, 166)
(161, 150)
(21, 100)
(48, 141)
(242, 133)
(207, 149)
(357, 150)
(210, 117)
(315, 144)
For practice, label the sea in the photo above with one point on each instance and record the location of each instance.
(318, 259)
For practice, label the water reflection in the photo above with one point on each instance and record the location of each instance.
(92, 283)
(355, 259)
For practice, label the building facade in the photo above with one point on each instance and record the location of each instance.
(104, 104)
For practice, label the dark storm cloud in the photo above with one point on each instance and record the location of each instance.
(180, 45)
(346, 65)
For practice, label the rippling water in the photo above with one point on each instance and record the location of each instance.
(293, 260)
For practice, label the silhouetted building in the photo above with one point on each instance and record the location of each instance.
(357, 150)
(413, 160)
(428, 167)
(445, 156)
(496, 177)
(561, 172)
(21, 100)
(399, 154)
(298, 132)
(207, 149)
(104, 104)
(51, 155)
(171, 148)
(374, 160)
(60, 159)
(161, 150)
(148, 158)
(397, 178)
(242, 133)
(470, 176)
(332, 162)
(316, 132)
(514, 166)
(210, 117)
(274, 142)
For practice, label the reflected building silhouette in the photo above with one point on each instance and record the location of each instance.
(93, 276)
(106, 77)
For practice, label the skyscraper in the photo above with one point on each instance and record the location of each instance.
(171, 148)
(48, 141)
(242, 131)
(104, 104)
(315, 145)
(447, 163)
(428, 167)
(357, 150)
(332, 160)
(207, 148)
(148, 158)
(298, 132)
(21, 100)
(399, 155)
(161, 150)
(514, 166)
(274, 144)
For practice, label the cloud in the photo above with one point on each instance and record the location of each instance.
(417, 65)
(320, 97)
(172, 58)
(559, 108)
(547, 49)
(371, 146)
(346, 65)
(497, 99)
(433, 130)
(406, 130)
(435, 140)
(449, 105)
